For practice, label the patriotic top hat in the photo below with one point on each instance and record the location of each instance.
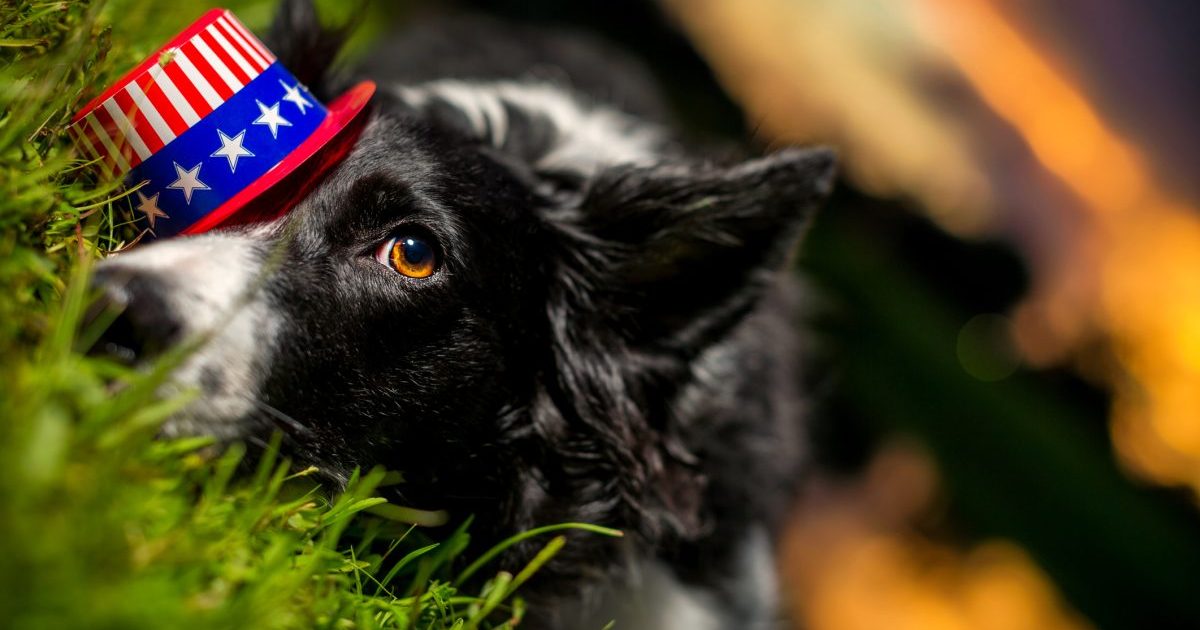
(212, 130)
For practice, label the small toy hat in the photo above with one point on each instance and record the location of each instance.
(214, 131)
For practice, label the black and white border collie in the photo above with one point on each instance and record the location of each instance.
(523, 292)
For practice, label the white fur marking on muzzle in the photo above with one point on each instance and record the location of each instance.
(212, 284)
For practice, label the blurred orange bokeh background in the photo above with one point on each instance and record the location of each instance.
(913, 92)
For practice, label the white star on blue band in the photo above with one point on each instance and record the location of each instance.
(225, 151)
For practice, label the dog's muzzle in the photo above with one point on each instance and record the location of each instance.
(207, 289)
(141, 324)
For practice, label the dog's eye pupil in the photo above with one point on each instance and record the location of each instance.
(415, 252)
(412, 256)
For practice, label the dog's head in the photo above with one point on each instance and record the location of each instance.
(497, 292)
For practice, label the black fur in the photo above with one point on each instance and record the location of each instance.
(607, 344)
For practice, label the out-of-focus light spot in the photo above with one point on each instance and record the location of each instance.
(985, 348)
(851, 561)
(842, 72)
(1023, 85)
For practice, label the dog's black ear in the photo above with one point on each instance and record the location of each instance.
(304, 46)
(678, 254)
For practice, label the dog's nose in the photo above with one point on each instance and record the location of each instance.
(143, 323)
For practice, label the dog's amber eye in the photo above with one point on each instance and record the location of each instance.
(410, 255)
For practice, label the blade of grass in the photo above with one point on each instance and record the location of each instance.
(526, 535)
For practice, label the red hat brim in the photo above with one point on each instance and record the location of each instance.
(280, 188)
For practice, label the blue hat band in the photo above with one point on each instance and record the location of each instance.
(240, 141)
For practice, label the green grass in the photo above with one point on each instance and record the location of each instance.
(101, 524)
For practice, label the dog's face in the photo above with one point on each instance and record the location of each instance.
(504, 312)
(388, 319)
